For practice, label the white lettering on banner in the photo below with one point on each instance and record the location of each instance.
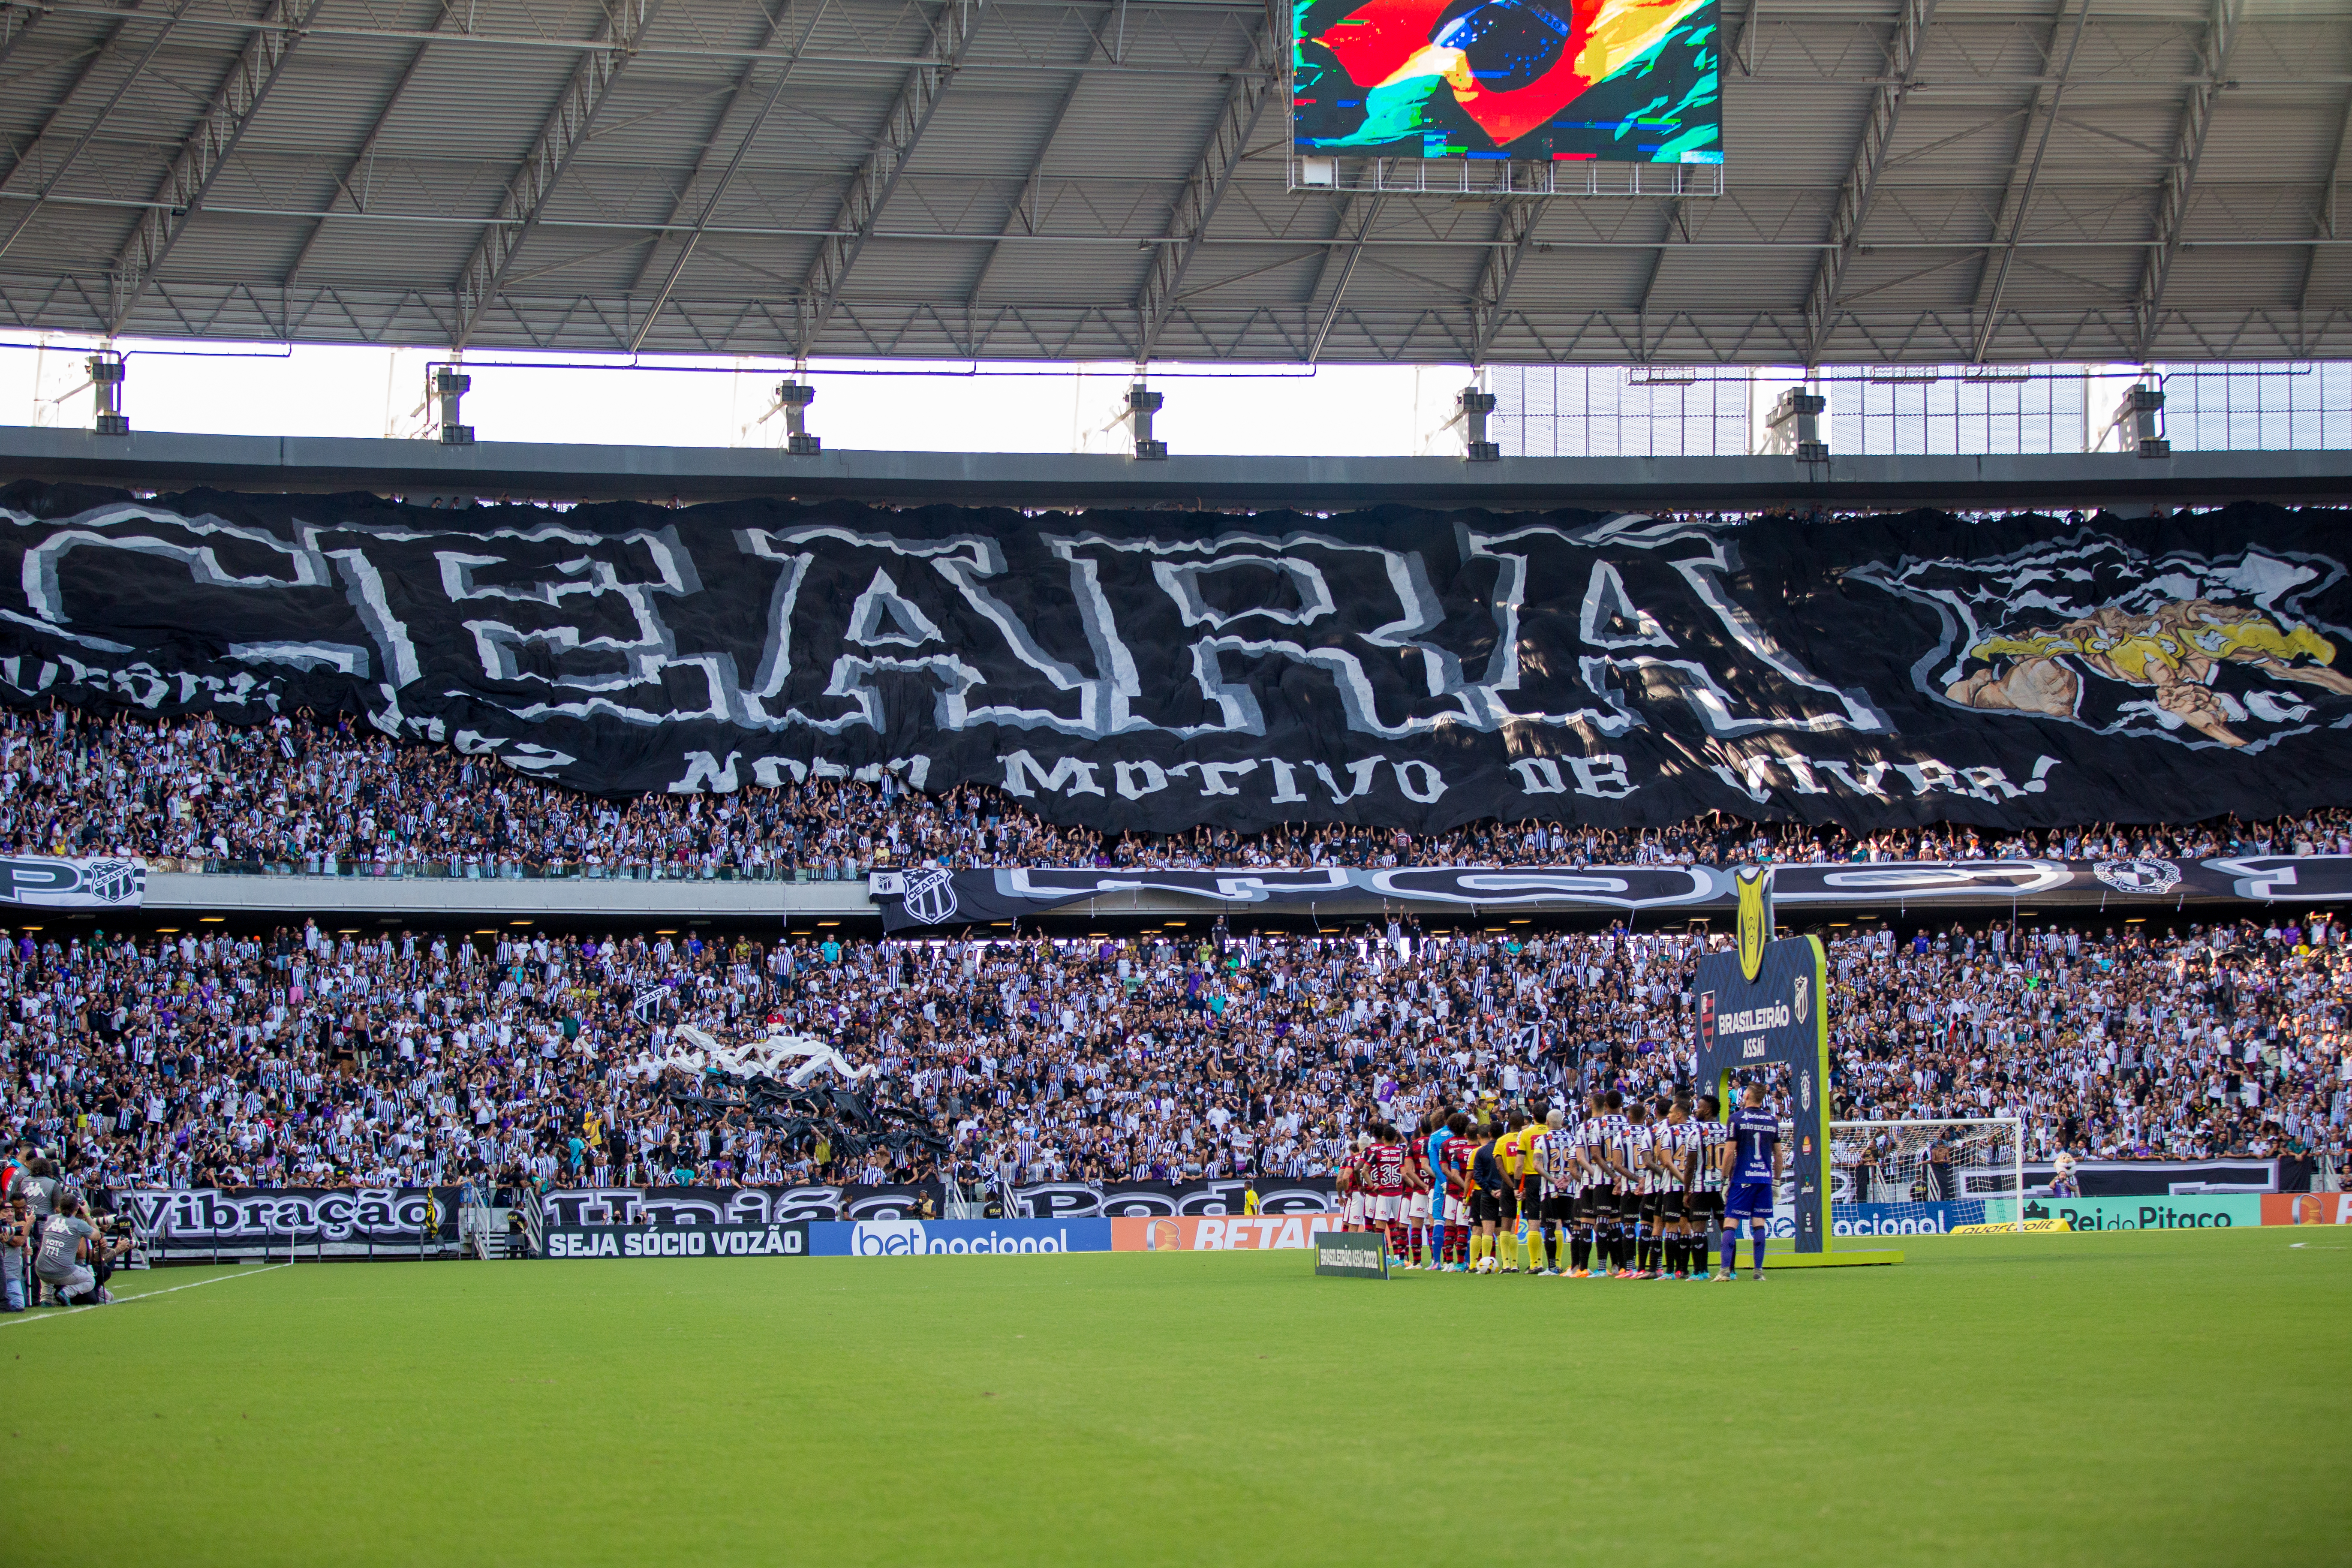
(965, 562)
(1259, 1233)
(1292, 578)
(1749, 1020)
(1026, 777)
(1602, 777)
(910, 1238)
(1212, 776)
(1067, 776)
(1685, 562)
(1418, 781)
(1136, 780)
(1751, 1050)
(772, 1242)
(211, 1213)
(1539, 776)
(1755, 776)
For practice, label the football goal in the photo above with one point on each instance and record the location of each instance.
(1894, 1178)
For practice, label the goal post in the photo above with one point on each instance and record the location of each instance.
(1908, 1170)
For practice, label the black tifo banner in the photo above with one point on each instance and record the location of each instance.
(914, 899)
(262, 1219)
(1154, 672)
(752, 1207)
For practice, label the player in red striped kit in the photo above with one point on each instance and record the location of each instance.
(1382, 1175)
(1353, 1212)
(1417, 1184)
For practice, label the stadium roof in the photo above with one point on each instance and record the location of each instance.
(1926, 181)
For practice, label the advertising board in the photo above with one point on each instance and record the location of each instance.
(920, 1237)
(2307, 1208)
(1215, 1233)
(1351, 1254)
(783, 1240)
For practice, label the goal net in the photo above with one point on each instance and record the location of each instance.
(1914, 1178)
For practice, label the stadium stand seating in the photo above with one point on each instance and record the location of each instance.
(315, 1057)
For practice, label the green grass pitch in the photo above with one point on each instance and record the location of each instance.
(2130, 1398)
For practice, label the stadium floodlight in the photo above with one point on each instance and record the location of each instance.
(794, 397)
(2136, 415)
(1475, 407)
(1142, 403)
(448, 388)
(1793, 429)
(106, 371)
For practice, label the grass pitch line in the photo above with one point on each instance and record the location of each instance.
(39, 1315)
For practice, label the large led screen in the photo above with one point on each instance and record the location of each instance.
(1623, 80)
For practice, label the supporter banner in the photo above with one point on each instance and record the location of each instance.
(916, 1238)
(1211, 1233)
(2307, 1208)
(2146, 1178)
(672, 1207)
(911, 900)
(1143, 670)
(227, 1219)
(698, 1241)
(1275, 1195)
(45, 882)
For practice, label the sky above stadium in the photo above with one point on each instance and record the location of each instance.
(240, 389)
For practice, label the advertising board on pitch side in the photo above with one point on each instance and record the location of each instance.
(960, 1237)
(2211, 1210)
(1352, 1255)
(1221, 1233)
(781, 1240)
(2306, 1208)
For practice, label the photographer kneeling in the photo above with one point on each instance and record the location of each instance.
(61, 1263)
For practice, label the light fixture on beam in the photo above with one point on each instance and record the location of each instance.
(106, 371)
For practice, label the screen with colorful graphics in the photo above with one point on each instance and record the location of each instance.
(1534, 80)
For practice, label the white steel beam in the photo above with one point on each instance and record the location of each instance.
(1254, 88)
(202, 156)
(869, 189)
(353, 183)
(1356, 218)
(736, 95)
(1514, 232)
(2324, 221)
(2025, 172)
(1861, 181)
(560, 138)
(99, 58)
(1026, 210)
(2180, 173)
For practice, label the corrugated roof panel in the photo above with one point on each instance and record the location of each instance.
(1078, 238)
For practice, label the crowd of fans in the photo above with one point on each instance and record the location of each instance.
(333, 796)
(307, 1058)
(207, 1056)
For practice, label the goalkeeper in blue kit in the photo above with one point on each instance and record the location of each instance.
(1751, 1162)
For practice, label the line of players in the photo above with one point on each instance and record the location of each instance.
(1641, 1190)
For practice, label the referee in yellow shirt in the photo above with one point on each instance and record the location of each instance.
(1515, 1152)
